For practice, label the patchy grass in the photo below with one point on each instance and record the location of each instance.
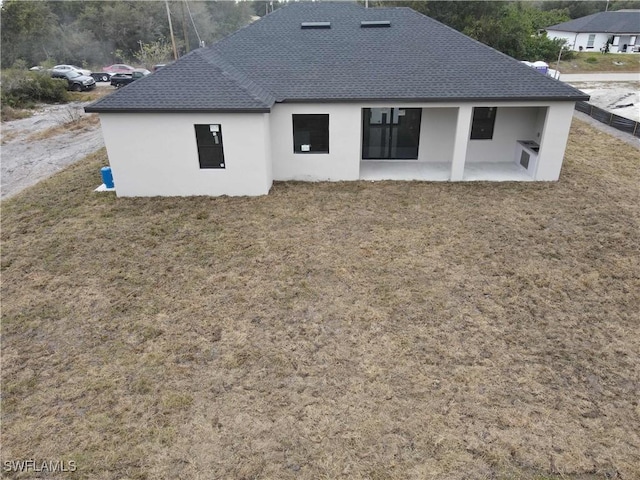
(92, 95)
(593, 62)
(357, 330)
(6, 137)
(76, 121)
(8, 113)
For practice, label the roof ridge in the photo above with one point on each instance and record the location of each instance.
(254, 90)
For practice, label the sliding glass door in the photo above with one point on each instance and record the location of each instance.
(390, 133)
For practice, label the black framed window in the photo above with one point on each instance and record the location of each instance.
(311, 133)
(210, 151)
(484, 119)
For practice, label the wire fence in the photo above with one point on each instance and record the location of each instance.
(603, 116)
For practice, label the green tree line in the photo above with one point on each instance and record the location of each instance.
(97, 33)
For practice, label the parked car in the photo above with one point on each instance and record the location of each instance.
(119, 68)
(121, 79)
(70, 68)
(107, 72)
(75, 80)
(101, 76)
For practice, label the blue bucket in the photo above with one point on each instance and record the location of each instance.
(107, 177)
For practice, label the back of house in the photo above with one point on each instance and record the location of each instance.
(333, 92)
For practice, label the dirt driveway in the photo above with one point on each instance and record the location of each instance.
(35, 148)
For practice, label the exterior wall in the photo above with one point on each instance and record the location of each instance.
(577, 40)
(569, 38)
(461, 143)
(554, 141)
(156, 154)
(437, 134)
(444, 137)
(622, 40)
(345, 143)
(512, 124)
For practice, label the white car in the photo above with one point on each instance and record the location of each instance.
(71, 68)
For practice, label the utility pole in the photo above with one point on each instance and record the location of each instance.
(184, 29)
(558, 62)
(173, 40)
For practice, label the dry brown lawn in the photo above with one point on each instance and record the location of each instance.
(392, 330)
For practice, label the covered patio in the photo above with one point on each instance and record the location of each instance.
(457, 143)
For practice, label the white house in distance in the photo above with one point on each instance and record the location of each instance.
(621, 29)
(335, 91)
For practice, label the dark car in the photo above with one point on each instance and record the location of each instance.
(76, 81)
(121, 79)
(107, 72)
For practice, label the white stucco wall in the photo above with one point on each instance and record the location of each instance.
(157, 154)
(345, 139)
(568, 37)
(512, 124)
(577, 40)
(553, 141)
(437, 134)
(444, 137)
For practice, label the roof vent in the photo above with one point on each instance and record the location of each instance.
(309, 25)
(375, 24)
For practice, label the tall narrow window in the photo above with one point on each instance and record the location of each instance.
(592, 38)
(210, 151)
(484, 119)
(311, 133)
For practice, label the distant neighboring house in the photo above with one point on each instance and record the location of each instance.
(335, 91)
(621, 29)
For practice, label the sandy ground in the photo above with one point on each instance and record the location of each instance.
(26, 161)
(621, 98)
(600, 77)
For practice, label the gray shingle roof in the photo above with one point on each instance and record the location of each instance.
(275, 60)
(603, 22)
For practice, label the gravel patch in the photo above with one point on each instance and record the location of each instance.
(25, 162)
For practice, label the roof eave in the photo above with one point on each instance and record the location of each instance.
(90, 109)
(575, 98)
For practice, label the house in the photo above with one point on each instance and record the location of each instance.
(620, 30)
(335, 91)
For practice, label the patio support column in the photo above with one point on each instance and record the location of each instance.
(463, 130)
(554, 141)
